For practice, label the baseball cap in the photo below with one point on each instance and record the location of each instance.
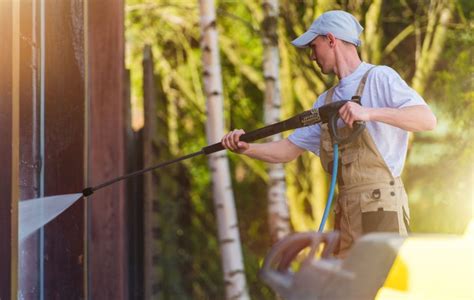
(342, 24)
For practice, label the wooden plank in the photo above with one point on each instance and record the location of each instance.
(7, 261)
(107, 243)
(149, 106)
(134, 204)
(64, 139)
(29, 142)
(15, 146)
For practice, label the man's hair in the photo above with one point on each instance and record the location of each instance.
(347, 43)
(344, 42)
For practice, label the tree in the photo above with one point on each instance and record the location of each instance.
(278, 215)
(228, 230)
(439, 15)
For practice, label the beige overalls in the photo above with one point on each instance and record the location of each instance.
(370, 198)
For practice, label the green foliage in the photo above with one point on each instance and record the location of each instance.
(439, 169)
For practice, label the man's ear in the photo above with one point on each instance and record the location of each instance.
(331, 38)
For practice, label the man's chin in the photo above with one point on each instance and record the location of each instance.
(325, 72)
(322, 69)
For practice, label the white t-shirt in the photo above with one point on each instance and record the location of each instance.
(384, 88)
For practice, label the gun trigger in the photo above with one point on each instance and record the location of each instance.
(356, 99)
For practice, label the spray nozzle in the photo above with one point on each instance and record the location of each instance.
(87, 192)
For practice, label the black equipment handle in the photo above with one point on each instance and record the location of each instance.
(303, 119)
(358, 126)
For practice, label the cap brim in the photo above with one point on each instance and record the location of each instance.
(303, 40)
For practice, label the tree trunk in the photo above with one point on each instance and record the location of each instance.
(372, 46)
(439, 15)
(228, 233)
(278, 215)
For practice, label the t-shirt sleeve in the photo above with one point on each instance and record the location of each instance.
(308, 137)
(397, 93)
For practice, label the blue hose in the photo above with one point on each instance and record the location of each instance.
(331, 188)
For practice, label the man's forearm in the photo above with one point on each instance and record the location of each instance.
(411, 118)
(274, 152)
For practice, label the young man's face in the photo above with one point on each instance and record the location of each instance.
(322, 53)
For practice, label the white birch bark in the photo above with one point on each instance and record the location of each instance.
(278, 215)
(228, 231)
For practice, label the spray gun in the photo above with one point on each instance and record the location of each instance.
(31, 220)
(328, 113)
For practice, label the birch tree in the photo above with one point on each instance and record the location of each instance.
(278, 215)
(228, 231)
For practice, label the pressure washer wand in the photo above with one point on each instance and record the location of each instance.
(306, 118)
(303, 119)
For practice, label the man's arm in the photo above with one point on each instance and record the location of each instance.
(273, 152)
(410, 118)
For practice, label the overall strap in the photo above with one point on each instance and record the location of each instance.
(357, 96)
(329, 95)
(360, 89)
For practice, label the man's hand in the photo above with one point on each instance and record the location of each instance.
(281, 151)
(352, 112)
(232, 141)
(411, 118)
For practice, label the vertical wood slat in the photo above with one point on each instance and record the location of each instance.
(8, 184)
(134, 199)
(15, 145)
(107, 243)
(29, 142)
(64, 95)
(150, 226)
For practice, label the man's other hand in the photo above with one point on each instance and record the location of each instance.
(232, 141)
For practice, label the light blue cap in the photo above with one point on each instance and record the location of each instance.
(341, 24)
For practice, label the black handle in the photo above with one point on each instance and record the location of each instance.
(305, 118)
(358, 127)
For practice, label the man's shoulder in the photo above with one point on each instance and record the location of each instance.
(320, 100)
(382, 73)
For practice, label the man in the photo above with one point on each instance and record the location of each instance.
(371, 193)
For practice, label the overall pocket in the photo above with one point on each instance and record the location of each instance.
(379, 208)
(350, 167)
